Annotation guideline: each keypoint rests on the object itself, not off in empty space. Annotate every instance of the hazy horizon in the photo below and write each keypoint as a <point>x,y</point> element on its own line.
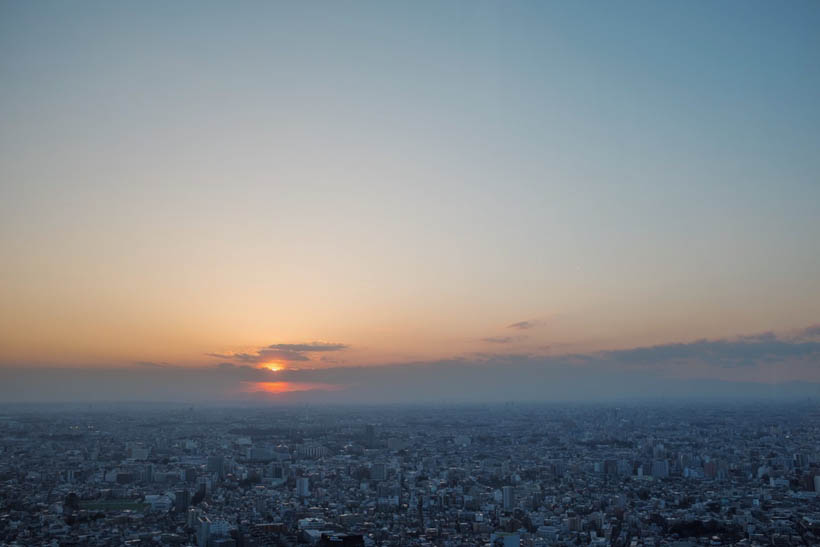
<point>756,367</point>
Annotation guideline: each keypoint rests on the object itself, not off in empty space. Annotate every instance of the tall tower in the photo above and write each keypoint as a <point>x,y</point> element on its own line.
<point>509,498</point>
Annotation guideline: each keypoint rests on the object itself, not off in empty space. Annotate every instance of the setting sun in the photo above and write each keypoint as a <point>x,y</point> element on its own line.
<point>273,367</point>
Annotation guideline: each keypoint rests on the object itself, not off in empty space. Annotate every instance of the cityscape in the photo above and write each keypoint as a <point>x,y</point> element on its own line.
<point>434,273</point>
<point>508,474</point>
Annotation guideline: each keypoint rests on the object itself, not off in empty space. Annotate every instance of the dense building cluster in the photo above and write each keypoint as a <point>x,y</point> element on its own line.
<point>515,474</point>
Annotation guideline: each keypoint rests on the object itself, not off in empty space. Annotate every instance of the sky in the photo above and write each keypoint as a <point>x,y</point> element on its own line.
<point>345,191</point>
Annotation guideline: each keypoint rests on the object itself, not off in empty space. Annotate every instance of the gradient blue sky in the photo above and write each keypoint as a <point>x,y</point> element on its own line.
<point>180,179</point>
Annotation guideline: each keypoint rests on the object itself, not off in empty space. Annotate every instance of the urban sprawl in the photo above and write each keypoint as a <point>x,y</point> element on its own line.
<point>486,475</point>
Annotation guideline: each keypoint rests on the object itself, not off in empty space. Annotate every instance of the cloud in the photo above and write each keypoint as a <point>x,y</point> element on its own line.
<point>524,325</point>
<point>744,351</point>
<point>757,366</point>
<point>503,339</point>
<point>698,369</point>
<point>811,332</point>
<point>281,352</point>
<point>499,339</point>
<point>761,337</point>
<point>311,347</point>
<point>520,378</point>
<point>262,356</point>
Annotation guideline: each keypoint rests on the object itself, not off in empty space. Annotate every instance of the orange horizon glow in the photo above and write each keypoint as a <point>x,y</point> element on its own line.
<point>273,367</point>
<point>278,388</point>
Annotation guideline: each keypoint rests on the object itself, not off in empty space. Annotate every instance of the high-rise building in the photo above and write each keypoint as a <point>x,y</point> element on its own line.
<point>182,500</point>
<point>203,531</point>
<point>378,472</point>
<point>660,469</point>
<point>710,469</point>
<point>508,493</point>
<point>278,471</point>
<point>216,464</point>
<point>370,436</point>
<point>302,487</point>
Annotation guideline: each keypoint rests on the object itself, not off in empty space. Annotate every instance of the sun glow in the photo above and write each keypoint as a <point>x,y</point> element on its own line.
<point>273,367</point>
<point>277,388</point>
